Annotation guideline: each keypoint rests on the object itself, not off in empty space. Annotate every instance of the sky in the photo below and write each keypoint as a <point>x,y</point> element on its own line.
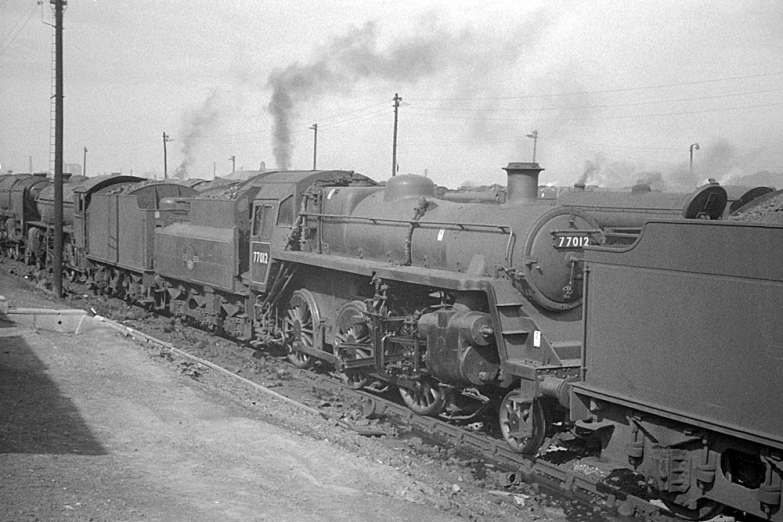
<point>617,91</point>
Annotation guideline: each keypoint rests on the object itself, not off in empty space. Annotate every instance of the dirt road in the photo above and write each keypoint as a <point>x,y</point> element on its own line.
<point>96,427</point>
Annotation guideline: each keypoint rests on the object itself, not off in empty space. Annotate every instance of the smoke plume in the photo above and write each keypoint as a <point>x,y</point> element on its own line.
<point>599,171</point>
<point>342,63</point>
<point>197,123</point>
<point>359,55</point>
<point>719,161</point>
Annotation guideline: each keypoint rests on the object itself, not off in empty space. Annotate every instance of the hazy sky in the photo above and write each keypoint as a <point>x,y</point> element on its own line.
<point>619,90</point>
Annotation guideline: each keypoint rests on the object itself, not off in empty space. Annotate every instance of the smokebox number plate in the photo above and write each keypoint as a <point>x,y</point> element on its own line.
<point>572,241</point>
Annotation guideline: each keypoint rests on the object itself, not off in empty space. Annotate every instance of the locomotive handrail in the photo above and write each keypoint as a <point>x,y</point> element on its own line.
<point>503,229</point>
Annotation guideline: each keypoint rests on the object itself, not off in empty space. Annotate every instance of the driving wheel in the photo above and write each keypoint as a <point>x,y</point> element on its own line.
<point>299,327</point>
<point>426,398</point>
<point>353,333</point>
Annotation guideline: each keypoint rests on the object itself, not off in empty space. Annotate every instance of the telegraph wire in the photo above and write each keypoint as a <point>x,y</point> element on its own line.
<point>216,138</point>
<point>376,108</point>
<point>596,118</point>
<point>515,139</point>
<point>363,117</point>
<point>16,29</point>
<point>611,145</point>
<point>598,106</point>
<point>606,91</point>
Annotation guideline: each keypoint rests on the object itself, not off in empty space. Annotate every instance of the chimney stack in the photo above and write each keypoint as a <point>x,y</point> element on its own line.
<point>522,181</point>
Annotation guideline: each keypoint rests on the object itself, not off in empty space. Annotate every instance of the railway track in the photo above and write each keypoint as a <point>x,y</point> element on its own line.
<point>599,498</point>
<point>602,499</point>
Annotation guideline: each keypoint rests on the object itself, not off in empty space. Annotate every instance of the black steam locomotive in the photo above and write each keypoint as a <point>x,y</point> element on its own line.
<point>466,306</point>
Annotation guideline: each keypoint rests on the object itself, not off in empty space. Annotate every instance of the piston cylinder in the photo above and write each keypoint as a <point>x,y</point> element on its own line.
<point>460,346</point>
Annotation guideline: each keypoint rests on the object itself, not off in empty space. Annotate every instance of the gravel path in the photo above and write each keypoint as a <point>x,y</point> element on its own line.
<point>96,427</point>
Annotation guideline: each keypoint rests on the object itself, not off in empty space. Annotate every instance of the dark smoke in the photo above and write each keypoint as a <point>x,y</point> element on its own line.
<point>612,174</point>
<point>653,179</point>
<point>358,55</point>
<point>720,161</point>
<point>196,124</point>
<point>589,174</point>
<point>341,64</point>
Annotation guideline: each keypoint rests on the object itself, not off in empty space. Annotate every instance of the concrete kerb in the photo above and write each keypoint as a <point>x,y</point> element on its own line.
<point>78,321</point>
<point>63,320</point>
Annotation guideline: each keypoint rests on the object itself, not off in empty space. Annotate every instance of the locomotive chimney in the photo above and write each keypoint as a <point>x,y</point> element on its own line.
<point>522,182</point>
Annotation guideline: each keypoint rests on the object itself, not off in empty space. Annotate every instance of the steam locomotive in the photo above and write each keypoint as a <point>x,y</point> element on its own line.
<point>468,306</point>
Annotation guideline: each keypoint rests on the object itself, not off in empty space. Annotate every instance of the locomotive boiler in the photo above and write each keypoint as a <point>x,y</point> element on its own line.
<point>454,302</point>
<point>18,208</point>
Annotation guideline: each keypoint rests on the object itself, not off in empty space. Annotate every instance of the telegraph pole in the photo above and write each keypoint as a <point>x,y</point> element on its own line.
<point>57,255</point>
<point>84,163</point>
<point>315,143</point>
<point>534,135</point>
<point>397,100</point>
<point>166,139</point>
<point>692,147</point>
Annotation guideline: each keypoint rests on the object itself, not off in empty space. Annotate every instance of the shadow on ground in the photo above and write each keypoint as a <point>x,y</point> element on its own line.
<point>35,418</point>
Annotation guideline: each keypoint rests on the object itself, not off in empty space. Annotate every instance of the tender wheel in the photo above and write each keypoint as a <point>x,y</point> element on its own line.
<point>33,246</point>
<point>300,328</point>
<point>522,423</point>
<point>116,284</point>
<point>705,510</point>
<point>353,329</point>
<point>426,399</point>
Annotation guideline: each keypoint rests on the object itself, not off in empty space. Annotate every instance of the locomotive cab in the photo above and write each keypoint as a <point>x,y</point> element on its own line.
<point>273,217</point>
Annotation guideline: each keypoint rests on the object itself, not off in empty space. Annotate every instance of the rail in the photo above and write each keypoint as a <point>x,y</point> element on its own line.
<point>571,484</point>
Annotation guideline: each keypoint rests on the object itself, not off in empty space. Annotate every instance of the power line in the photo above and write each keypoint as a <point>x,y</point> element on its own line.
<point>604,91</point>
<point>230,139</point>
<point>612,145</point>
<point>597,106</point>
<point>377,107</point>
<point>363,117</point>
<point>632,116</point>
<point>16,29</point>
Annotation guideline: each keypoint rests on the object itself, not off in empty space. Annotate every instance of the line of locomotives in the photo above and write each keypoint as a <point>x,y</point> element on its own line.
<point>640,319</point>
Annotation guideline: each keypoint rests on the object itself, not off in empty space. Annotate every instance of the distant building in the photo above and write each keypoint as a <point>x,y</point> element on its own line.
<point>74,169</point>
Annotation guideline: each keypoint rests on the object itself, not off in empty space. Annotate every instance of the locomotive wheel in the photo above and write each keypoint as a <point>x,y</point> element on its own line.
<point>428,398</point>
<point>358,333</point>
<point>522,423</point>
<point>705,510</point>
<point>352,328</point>
<point>300,328</point>
<point>115,284</point>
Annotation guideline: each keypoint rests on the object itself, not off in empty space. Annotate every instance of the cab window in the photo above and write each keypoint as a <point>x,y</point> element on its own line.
<point>286,214</point>
<point>263,221</point>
